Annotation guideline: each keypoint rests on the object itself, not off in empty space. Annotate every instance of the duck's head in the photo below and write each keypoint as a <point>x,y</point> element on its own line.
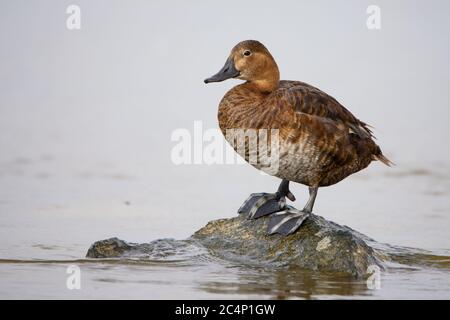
<point>250,60</point>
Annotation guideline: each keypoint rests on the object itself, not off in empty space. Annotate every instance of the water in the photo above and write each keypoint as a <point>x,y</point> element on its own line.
<point>86,119</point>
<point>41,238</point>
<point>198,275</point>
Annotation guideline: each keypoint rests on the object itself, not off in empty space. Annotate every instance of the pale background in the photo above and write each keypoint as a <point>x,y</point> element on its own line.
<point>86,116</point>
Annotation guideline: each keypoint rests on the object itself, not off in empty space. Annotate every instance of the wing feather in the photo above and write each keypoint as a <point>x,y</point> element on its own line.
<point>310,100</point>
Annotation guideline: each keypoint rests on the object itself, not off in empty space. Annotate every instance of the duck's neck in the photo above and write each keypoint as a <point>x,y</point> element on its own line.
<point>264,86</point>
<point>268,82</point>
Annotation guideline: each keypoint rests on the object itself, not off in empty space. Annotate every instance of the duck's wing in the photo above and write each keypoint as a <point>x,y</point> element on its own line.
<point>327,120</point>
<point>306,99</point>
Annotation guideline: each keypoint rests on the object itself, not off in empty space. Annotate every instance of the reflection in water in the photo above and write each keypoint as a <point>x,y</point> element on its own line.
<point>286,284</point>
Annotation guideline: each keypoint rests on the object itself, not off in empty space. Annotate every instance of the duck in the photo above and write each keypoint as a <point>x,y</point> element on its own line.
<point>318,142</point>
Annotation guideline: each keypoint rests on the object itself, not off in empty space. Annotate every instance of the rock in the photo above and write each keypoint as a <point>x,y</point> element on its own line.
<point>109,248</point>
<point>318,245</point>
<point>157,250</point>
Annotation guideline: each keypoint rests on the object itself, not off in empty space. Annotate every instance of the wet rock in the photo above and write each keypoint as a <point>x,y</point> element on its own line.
<point>109,248</point>
<point>318,245</point>
<point>158,250</point>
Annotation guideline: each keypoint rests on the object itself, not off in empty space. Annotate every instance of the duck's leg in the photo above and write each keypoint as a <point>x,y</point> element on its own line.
<point>261,204</point>
<point>288,221</point>
<point>312,198</point>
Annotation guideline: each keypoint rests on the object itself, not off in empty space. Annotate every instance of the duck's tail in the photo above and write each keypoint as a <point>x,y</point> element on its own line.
<point>380,157</point>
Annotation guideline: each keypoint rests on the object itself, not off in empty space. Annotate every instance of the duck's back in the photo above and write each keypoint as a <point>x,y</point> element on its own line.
<point>321,142</point>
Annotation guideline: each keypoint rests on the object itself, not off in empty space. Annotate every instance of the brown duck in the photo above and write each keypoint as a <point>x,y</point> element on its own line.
<point>319,142</point>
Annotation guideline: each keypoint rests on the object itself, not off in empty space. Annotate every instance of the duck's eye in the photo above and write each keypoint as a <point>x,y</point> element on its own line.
<point>247,53</point>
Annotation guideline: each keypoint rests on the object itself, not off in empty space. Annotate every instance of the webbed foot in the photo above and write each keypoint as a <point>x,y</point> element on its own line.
<point>262,204</point>
<point>287,221</point>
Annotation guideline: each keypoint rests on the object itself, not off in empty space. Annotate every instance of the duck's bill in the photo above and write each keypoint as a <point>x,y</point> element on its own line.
<point>228,71</point>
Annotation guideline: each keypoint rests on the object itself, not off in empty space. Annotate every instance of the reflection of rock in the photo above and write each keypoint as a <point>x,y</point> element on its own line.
<point>319,245</point>
<point>284,283</point>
